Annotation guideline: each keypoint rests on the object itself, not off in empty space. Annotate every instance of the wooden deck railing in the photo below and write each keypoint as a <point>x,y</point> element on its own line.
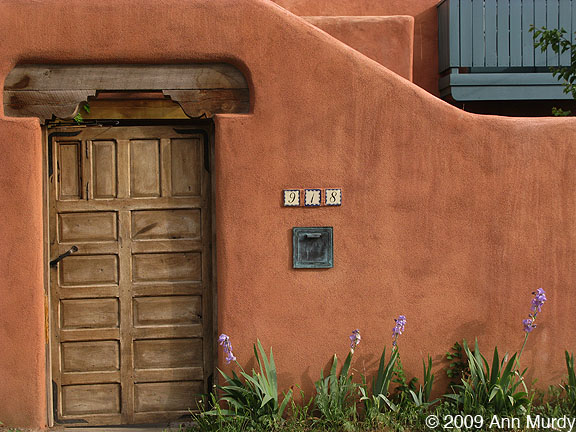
<point>496,33</point>
<point>483,37</point>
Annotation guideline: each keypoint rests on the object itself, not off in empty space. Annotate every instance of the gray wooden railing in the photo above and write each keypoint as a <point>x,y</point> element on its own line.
<point>496,33</point>
<point>487,34</point>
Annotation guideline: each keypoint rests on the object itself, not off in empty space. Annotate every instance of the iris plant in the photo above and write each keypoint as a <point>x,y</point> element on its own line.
<point>355,339</point>
<point>536,307</point>
<point>224,340</point>
<point>537,302</point>
<point>398,328</point>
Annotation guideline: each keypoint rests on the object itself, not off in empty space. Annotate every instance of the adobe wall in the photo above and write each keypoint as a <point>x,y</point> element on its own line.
<point>448,218</point>
<point>387,40</point>
<point>425,27</point>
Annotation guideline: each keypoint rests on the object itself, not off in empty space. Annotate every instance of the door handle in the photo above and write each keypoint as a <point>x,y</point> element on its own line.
<point>64,255</point>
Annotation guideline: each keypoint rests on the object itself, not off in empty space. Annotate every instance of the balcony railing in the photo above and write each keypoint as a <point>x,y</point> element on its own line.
<point>486,49</point>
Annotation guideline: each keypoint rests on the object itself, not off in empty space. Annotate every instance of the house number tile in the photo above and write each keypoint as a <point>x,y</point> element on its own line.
<point>312,197</point>
<point>291,197</point>
<point>333,197</point>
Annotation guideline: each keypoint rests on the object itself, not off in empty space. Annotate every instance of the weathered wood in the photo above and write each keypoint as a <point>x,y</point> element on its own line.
<point>128,204</point>
<point>129,337</point>
<point>44,104</point>
<point>197,103</point>
<point>125,77</point>
<point>45,91</point>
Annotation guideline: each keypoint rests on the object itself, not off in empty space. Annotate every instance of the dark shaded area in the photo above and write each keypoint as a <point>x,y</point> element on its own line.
<point>515,108</point>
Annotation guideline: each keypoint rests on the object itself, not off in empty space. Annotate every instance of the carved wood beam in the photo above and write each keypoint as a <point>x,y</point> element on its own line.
<point>58,90</point>
<point>45,104</point>
<point>207,102</point>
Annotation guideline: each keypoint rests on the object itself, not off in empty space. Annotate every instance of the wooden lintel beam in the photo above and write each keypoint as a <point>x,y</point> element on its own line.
<point>197,103</point>
<point>125,77</point>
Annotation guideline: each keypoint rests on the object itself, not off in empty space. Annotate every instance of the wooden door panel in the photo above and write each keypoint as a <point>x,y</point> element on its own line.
<point>104,174</point>
<point>88,227</point>
<point>69,174</point>
<point>89,313</point>
<point>167,353</point>
<point>82,270</point>
<point>129,341</point>
<point>90,399</point>
<point>94,356</point>
<point>166,224</point>
<point>186,153</point>
<point>166,396</point>
<point>144,168</point>
<point>167,311</point>
<point>167,267</point>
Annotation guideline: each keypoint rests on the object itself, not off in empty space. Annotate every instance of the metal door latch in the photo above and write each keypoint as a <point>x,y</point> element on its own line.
<point>64,255</point>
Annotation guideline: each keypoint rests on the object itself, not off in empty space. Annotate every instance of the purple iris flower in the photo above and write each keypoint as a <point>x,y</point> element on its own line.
<point>355,339</point>
<point>538,300</point>
<point>528,325</point>
<point>536,307</point>
<point>224,340</point>
<point>398,328</point>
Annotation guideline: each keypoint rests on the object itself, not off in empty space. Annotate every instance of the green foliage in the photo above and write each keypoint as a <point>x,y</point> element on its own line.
<point>458,367</point>
<point>401,395</point>
<point>556,40</point>
<point>335,393</point>
<point>559,112</point>
<point>78,117</point>
<point>376,401</point>
<point>422,397</point>
<point>299,415</point>
<point>251,399</point>
<point>570,386</point>
<point>496,389</point>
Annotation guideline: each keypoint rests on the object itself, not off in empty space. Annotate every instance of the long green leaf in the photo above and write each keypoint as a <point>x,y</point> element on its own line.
<point>346,366</point>
<point>377,382</point>
<point>495,367</point>
<point>284,403</point>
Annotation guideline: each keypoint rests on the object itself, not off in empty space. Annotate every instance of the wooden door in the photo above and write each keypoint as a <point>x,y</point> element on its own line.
<point>131,327</point>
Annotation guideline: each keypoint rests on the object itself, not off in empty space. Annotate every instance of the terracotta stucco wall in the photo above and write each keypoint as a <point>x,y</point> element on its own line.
<point>449,218</point>
<point>425,27</point>
<point>387,40</point>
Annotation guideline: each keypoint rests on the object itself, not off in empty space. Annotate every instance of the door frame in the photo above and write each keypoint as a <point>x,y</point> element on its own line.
<point>205,126</point>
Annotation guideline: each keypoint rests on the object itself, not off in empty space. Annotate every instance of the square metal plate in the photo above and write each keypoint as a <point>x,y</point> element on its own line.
<point>312,247</point>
